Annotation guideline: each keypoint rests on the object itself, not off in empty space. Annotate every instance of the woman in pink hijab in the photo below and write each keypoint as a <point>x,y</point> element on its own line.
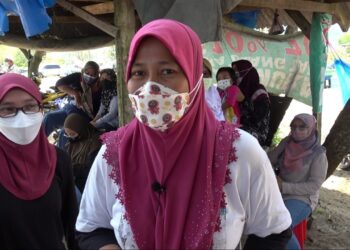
<point>175,177</point>
<point>38,204</point>
<point>302,167</point>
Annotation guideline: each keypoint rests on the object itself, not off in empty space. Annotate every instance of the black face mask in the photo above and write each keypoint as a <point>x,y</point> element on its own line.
<point>72,139</point>
<point>75,139</point>
<point>108,84</point>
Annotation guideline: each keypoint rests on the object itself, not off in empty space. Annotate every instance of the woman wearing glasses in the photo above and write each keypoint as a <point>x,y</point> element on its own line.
<point>302,165</point>
<point>38,204</point>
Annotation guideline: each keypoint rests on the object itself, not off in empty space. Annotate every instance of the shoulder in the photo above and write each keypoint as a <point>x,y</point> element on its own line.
<point>247,145</point>
<point>252,160</point>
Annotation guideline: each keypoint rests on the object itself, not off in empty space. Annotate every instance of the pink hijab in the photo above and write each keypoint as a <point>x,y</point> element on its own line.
<point>26,171</point>
<point>171,183</point>
<point>296,151</point>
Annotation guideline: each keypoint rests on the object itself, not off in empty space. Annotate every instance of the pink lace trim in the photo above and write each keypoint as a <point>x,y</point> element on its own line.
<point>221,158</point>
<point>112,141</point>
<point>226,135</point>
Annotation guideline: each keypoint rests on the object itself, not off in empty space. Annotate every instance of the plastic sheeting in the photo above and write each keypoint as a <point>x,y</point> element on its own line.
<point>246,18</point>
<point>343,72</point>
<point>32,13</point>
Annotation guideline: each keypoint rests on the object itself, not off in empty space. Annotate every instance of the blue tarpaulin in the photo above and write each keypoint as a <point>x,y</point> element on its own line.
<point>32,13</point>
<point>343,72</point>
<point>246,18</point>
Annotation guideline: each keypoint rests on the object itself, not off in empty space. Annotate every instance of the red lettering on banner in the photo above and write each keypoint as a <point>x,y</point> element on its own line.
<point>252,46</point>
<point>217,49</point>
<point>239,41</point>
<point>295,49</point>
<point>307,45</point>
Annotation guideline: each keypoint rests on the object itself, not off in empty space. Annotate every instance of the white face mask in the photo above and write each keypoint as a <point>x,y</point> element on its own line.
<point>21,129</point>
<point>159,107</point>
<point>224,84</point>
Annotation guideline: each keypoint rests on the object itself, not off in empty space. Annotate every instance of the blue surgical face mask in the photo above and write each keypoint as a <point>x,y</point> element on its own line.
<point>89,80</point>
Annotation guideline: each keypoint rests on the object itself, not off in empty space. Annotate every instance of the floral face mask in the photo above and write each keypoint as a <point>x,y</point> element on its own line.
<point>159,107</point>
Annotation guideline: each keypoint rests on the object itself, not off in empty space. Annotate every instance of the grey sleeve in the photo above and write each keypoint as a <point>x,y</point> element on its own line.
<point>318,171</point>
<point>112,112</point>
<point>275,153</point>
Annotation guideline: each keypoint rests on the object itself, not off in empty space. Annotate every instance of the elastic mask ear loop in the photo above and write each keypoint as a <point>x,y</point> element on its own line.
<point>195,90</point>
<point>247,71</point>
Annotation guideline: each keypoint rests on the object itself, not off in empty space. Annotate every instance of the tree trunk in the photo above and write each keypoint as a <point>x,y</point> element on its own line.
<point>125,22</point>
<point>33,61</point>
<point>337,142</point>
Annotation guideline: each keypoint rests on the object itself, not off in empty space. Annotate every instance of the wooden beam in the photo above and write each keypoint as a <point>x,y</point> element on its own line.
<point>343,16</point>
<point>96,1</point>
<point>228,6</point>
<point>301,21</point>
<point>100,8</point>
<point>106,27</point>
<point>48,44</point>
<point>298,5</point>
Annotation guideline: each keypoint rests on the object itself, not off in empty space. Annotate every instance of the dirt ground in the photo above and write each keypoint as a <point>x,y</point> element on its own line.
<point>330,228</point>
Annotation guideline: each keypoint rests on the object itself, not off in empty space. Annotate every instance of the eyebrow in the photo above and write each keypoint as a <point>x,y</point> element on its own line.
<point>25,102</point>
<point>139,64</point>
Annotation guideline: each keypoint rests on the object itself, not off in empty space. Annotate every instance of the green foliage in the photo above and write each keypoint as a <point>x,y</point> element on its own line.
<point>344,39</point>
<point>277,138</point>
<point>19,59</point>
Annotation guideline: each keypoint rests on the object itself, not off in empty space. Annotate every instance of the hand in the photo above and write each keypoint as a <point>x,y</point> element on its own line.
<point>279,182</point>
<point>110,247</point>
<point>93,123</point>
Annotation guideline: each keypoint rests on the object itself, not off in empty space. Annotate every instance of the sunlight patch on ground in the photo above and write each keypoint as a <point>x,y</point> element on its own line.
<point>337,183</point>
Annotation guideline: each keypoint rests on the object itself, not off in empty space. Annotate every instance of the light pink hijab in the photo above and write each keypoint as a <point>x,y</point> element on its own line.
<point>296,151</point>
<point>189,160</point>
<point>26,171</point>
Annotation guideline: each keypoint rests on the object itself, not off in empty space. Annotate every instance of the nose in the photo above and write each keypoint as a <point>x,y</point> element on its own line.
<point>153,76</point>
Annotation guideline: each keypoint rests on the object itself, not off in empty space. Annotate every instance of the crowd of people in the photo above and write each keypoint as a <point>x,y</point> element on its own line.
<point>188,172</point>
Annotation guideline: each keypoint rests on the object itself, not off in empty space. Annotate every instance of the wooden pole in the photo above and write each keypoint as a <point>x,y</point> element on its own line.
<point>124,19</point>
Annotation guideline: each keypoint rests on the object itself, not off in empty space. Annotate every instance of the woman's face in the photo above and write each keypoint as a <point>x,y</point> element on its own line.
<point>299,130</point>
<point>70,133</point>
<point>91,72</point>
<point>153,62</point>
<point>17,98</point>
<point>223,75</point>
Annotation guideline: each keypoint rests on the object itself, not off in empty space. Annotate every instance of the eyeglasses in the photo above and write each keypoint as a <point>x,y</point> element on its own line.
<point>6,112</point>
<point>299,127</point>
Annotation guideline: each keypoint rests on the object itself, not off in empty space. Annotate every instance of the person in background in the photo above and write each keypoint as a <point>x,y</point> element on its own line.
<point>302,166</point>
<point>84,88</point>
<point>255,109</point>
<point>230,94</point>
<point>212,96</point>
<point>38,204</point>
<point>175,177</point>
<point>207,69</point>
<point>107,116</point>
<point>83,146</point>
<point>10,65</point>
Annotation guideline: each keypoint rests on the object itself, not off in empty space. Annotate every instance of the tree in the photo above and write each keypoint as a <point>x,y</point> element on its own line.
<point>337,142</point>
<point>344,39</point>
<point>34,60</point>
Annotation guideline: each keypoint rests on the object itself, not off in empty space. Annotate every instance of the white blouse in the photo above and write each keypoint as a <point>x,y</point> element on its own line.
<point>254,202</point>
